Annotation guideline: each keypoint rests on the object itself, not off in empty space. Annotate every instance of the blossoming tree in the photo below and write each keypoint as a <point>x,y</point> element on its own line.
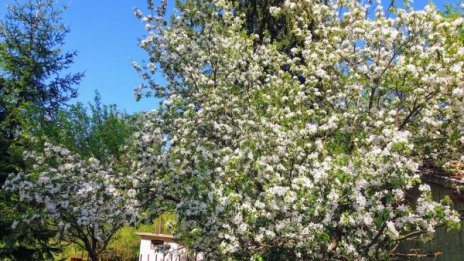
<point>80,196</point>
<point>77,187</point>
<point>308,153</point>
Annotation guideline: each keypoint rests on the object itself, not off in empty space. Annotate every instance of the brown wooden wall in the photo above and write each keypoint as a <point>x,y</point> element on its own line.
<point>451,245</point>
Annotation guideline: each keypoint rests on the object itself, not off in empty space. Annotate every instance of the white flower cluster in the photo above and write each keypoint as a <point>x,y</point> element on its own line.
<point>83,198</point>
<point>309,151</point>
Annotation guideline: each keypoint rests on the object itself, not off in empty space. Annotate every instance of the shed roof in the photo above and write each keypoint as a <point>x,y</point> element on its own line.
<point>153,236</point>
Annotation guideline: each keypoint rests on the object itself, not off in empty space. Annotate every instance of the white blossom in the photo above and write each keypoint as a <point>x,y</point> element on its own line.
<point>266,140</point>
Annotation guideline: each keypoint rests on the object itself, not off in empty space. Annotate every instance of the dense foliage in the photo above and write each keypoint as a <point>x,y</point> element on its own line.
<point>300,150</point>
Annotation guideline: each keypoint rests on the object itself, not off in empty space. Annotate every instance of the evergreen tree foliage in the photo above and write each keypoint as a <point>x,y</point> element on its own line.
<point>33,68</point>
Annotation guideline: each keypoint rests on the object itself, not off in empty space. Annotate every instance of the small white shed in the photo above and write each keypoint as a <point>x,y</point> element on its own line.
<point>150,243</point>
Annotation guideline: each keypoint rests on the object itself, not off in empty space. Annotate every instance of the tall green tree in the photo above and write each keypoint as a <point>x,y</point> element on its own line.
<point>95,130</point>
<point>33,65</point>
<point>33,77</point>
<point>260,21</point>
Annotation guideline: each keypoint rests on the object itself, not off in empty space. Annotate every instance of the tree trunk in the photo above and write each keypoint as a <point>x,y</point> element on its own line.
<point>93,256</point>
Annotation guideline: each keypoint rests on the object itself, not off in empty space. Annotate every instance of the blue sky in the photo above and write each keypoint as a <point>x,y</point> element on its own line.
<point>105,33</point>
